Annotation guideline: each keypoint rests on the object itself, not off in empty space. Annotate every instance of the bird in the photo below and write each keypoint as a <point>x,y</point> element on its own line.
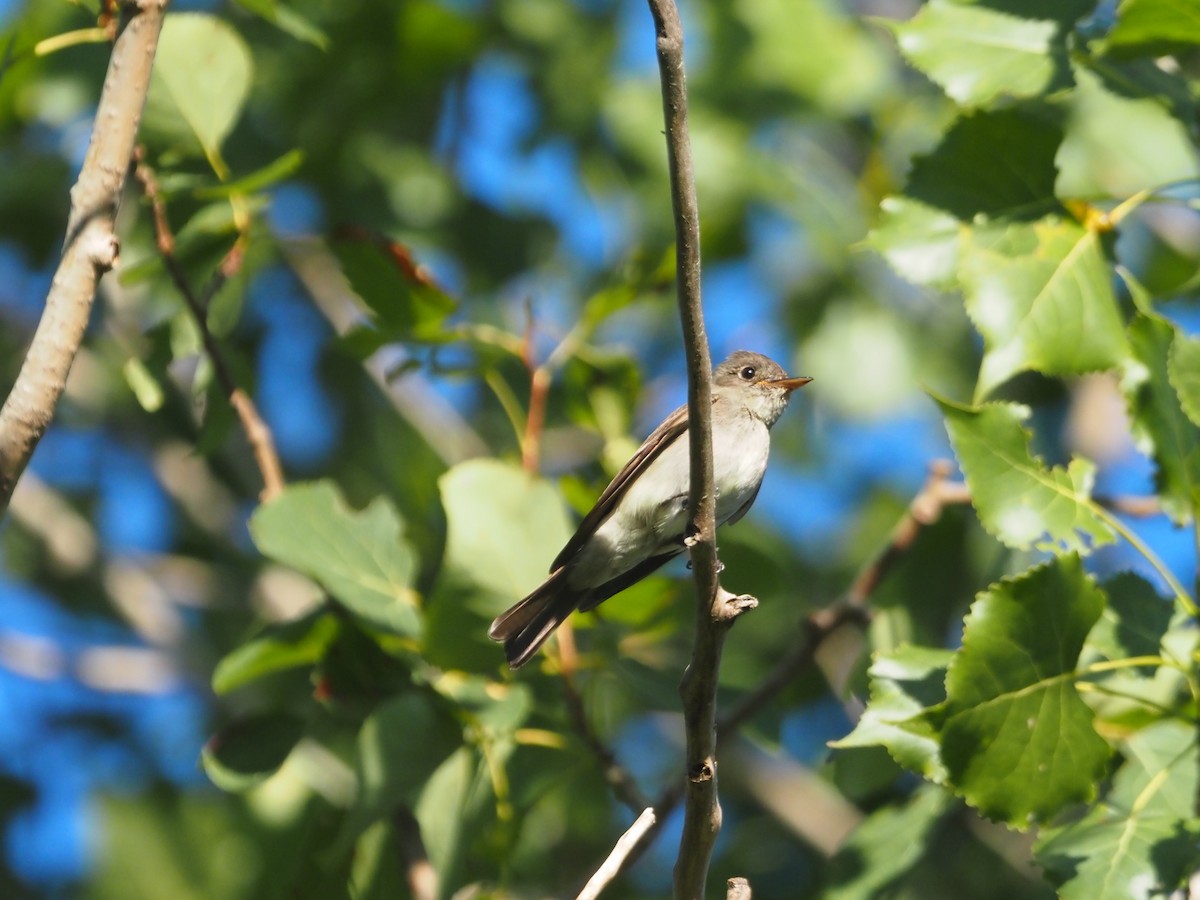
<point>640,520</point>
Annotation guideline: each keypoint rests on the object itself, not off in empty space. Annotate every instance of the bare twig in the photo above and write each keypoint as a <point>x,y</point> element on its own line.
<point>258,434</point>
<point>716,608</point>
<point>91,245</point>
<point>612,866</point>
<point>419,872</point>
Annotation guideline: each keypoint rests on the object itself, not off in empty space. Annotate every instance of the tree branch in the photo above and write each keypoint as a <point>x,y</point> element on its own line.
<point>91,244</point>
<point>716,608</point>
<point>258,433</point>
<point>612,866</point>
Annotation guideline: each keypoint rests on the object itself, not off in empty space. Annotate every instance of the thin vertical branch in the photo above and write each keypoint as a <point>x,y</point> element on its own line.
<point>91,245</point>
<point>716,608</point>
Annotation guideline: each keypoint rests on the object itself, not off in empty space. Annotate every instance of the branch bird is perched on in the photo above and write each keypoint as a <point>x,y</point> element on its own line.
<point>640,520</point>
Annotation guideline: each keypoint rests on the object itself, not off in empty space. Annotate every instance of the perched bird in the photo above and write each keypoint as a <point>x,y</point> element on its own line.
<point>639,521</point>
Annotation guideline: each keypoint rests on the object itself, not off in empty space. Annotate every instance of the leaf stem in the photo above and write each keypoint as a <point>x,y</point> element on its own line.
<point>1181,594</point>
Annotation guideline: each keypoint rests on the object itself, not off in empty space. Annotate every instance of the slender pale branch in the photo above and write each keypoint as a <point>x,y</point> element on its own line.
<point>91,245</point>
<point>612,866</point>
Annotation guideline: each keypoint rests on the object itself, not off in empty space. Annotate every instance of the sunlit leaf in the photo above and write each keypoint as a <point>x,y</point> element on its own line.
<point>270,174</point>
<point>977,54</point>
<point>1160,427</point>
<point>1120,140</point>
<point>1183,369</point>
<point>202,75</point>
<point>904,685</point>
<point>504,527</point>
<point>1142,840</point>
<point>361,558</point>
<point>246,751</point>
<point>1042,297</point>
<point>1147,24</point>
<point>920,241</point>
<point>1017,739</point>
<point>1019,499</point>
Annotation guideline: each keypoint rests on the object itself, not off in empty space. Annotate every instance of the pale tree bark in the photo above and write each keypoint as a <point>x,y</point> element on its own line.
<point>90,248</point>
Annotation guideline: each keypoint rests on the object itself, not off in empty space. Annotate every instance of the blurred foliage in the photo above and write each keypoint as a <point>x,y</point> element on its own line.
<point>463,195</point>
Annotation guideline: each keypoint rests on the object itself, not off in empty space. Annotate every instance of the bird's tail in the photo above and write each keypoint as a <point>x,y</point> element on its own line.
<point>525,627</point>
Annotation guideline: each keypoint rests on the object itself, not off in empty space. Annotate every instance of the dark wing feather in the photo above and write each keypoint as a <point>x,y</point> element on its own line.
<point>744,508</point>
<point>673,426</point>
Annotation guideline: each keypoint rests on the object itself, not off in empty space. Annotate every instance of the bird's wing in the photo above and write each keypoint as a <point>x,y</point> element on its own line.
<point>743,509</point>
<point>672,427</point>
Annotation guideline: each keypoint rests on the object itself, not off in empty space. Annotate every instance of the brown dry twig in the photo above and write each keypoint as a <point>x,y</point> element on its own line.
<point>258,433</point>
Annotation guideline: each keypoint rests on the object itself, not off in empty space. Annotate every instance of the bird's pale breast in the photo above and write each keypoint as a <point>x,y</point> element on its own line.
<point>650,519</point>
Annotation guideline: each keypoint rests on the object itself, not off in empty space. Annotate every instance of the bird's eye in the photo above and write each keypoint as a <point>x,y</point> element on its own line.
<point>747,372</point>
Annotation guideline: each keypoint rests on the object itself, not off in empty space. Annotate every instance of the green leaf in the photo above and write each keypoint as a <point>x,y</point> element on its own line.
<point>452,811</point>
<point>277,648</point>
<point>1020,500</point>
<point>202,75</point>
<point>1017,739</point>
<point>288,21</point>
<point>920,242</point>
<point>145,386</point>
<point>247,751</point>
<point>399,747</point>
<point>1015,147</point>
<point>1145,24</point>
<point>885,846</point>
<point>1042,297</point>
<point>905,684</point>
<point>978,55</point>
<point>1183,369</point>
<point>503,528</point>
<point>404,307</point>
<point>1160,427</point>
<point>1142,840</point>
<point>359,557</point>
<point>1115,145</point>
<point>259,180</point>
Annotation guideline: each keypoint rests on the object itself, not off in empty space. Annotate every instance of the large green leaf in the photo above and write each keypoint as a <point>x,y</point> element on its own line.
<point>361,558</point>
<point>277,648</point>
<point>1015,147</point>
<point>885,846</point>
<point>1183,369</point>
<point>399,747</point>
<point>1160,426</point>
<point>1146,24</point>
<point>504,527</point>
<point>1115,145</point>
<point>904,685</point>
<point>1142,841</point>
<point>1017,739</point>
<point>1018,498</point>
<point>920,242</point>
<point>246,751</point>
<point>1041,295</point>
<point>978,55</point>
<point>202,75</point>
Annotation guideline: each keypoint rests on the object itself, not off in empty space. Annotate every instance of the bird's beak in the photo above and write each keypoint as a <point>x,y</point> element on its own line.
<point>789,384</point>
